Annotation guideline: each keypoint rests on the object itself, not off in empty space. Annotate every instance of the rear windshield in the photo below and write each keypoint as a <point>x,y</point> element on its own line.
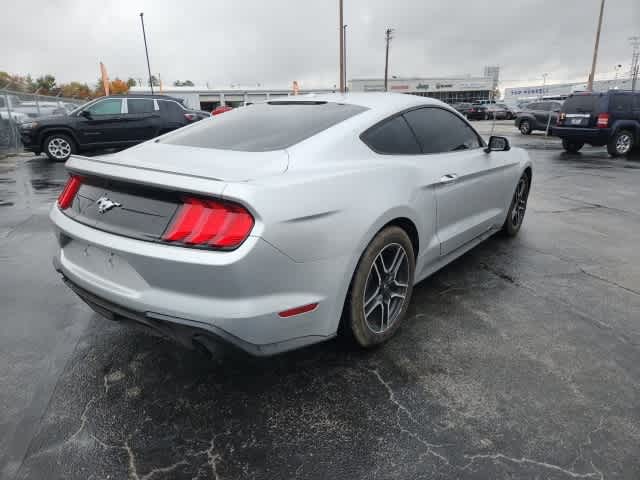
<point>581,104</point>
<point>264,127</point>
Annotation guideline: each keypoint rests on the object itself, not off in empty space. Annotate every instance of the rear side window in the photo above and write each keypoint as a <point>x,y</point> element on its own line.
<point>440,131</point>
<point>171,109</point>
<point>392,137</point>
<point>581,104</point>
<point>265,127</point>
<point>620,103</point>
<point>140,105</point>
<point>534,106</point>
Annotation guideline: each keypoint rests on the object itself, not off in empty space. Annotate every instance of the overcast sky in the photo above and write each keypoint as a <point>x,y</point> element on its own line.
<point>273,42</point>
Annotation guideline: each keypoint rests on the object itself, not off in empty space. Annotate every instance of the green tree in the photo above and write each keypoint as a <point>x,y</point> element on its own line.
<point>154,81</point>
<point>131,82</point>
<point>45,84</point>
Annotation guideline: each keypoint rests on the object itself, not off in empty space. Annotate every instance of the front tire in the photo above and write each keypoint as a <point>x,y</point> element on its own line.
<point>571,146</point>
<point>518,207</point>
<point>620,143</point>
<point>525,127</point>
<point>381,288</point>
<point>59,147</point>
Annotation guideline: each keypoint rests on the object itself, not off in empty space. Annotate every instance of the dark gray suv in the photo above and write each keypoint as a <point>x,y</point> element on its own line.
<point>536,116</point>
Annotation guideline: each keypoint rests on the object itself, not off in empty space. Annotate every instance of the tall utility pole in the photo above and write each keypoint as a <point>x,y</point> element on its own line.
<point>344,54</point>
<point>388,36</point>
<point>341,33</point>
<point>146,50</point>
<point>595,49</point>
<point>635,61</point>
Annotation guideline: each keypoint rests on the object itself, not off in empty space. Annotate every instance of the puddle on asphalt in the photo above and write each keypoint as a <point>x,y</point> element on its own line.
<point>42,184</point>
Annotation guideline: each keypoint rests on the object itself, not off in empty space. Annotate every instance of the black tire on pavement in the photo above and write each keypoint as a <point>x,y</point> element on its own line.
<point>525,127</point>
<point>571,146</point>
<point>620,143</point>
<point>59,147</point>
<point>518,206</point>
<point>390,249</point>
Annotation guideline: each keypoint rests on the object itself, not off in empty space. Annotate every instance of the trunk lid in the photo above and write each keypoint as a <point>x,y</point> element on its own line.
<point>221,165</point>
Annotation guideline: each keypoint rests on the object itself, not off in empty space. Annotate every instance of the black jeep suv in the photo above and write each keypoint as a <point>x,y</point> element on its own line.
<point>108,122</point>
<point>610,118</point>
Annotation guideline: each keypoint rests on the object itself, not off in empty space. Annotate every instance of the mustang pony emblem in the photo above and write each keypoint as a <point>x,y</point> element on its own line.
<point>104,204</point>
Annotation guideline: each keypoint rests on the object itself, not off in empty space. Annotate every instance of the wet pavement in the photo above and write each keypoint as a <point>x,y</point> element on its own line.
<point>520,360</point>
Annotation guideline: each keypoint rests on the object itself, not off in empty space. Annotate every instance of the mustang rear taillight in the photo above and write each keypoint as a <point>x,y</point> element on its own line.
<point>209,223</point>
<point>561,118</point>
<point>69,192</point>
<point>603,120</point>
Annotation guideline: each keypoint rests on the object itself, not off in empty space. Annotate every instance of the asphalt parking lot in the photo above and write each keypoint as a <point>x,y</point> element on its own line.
<point>520,360</point>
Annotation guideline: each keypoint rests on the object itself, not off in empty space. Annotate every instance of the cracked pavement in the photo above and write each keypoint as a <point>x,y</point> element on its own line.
<point>521,360</point>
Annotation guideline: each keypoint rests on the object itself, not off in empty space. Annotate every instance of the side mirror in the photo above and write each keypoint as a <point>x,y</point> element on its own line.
<point>85,114</point>
<point>498,144</point>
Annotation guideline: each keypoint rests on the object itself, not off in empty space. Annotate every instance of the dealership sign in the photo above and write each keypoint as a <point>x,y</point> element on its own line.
<point>420,85</point>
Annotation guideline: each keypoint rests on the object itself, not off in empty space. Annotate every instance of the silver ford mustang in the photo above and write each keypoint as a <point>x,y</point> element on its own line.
<point>275,224</point>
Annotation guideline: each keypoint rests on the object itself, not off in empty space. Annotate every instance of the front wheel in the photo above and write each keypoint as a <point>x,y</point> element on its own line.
<point>381,287</point>
<point>59,147</point>
<point>525,127</point>
<point>620,143</point>
<point>518,207</point>
<point>571,146</point>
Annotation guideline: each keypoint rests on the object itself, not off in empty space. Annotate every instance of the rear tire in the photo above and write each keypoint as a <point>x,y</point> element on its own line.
<point>59,147</point>
<point>518,207</point>
<point>525,127</point>
<point>621,143</point>
<point>381,288</point>
<point>571,146</point>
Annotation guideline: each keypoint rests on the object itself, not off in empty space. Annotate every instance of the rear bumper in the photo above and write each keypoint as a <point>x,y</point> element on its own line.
<point>592,136</point>
<point>187,294</point>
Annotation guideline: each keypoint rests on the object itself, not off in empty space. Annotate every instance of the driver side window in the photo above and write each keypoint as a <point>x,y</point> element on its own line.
<point>109,106</point>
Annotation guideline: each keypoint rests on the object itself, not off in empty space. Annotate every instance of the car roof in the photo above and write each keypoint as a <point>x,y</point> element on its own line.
<point>383,101</point>
<point>145,95</point>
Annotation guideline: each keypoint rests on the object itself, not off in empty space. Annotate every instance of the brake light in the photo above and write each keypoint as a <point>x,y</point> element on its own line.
<point>190,116</point>
<point>603,120</point>
<point>561,118</point>
<point>209,222</point>
<point>69,192</point>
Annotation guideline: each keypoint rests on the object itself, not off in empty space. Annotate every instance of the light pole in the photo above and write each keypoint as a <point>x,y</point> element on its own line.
<point>146,50</point>
<point>595,49</point>
<point>388,37</point>
<point>544,82</point>
<point>344,54</point>
<point>341,33</point>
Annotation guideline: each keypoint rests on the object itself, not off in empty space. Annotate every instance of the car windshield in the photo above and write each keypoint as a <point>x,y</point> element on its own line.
<point>264,127</point>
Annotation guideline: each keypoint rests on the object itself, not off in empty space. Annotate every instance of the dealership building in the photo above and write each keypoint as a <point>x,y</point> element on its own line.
<point>205,98</point>
<point>450,90</point>
<point>515,95</point>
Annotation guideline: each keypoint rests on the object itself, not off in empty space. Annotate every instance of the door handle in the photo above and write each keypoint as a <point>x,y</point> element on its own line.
<point>449,178</point>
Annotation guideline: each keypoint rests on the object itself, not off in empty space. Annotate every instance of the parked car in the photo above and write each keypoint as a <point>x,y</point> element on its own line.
<point>266,226</point>
<point>478,112</point>
<point>7,112</point>
<point>221,109</point>
<point>108,122</point>
<point>611,119</point>
<point>536,116</point>
<point>509,113</point>
<point>463,107</point>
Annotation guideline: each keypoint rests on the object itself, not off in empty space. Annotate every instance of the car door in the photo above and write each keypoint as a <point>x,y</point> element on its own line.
<point>469,184</point>
<point>101,123</point>
<point>142,119</point>
<point>542,114</point>
<point>173,115</point>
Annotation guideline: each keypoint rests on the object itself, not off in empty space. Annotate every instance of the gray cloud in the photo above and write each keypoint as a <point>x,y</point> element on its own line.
<point>274,42</point>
